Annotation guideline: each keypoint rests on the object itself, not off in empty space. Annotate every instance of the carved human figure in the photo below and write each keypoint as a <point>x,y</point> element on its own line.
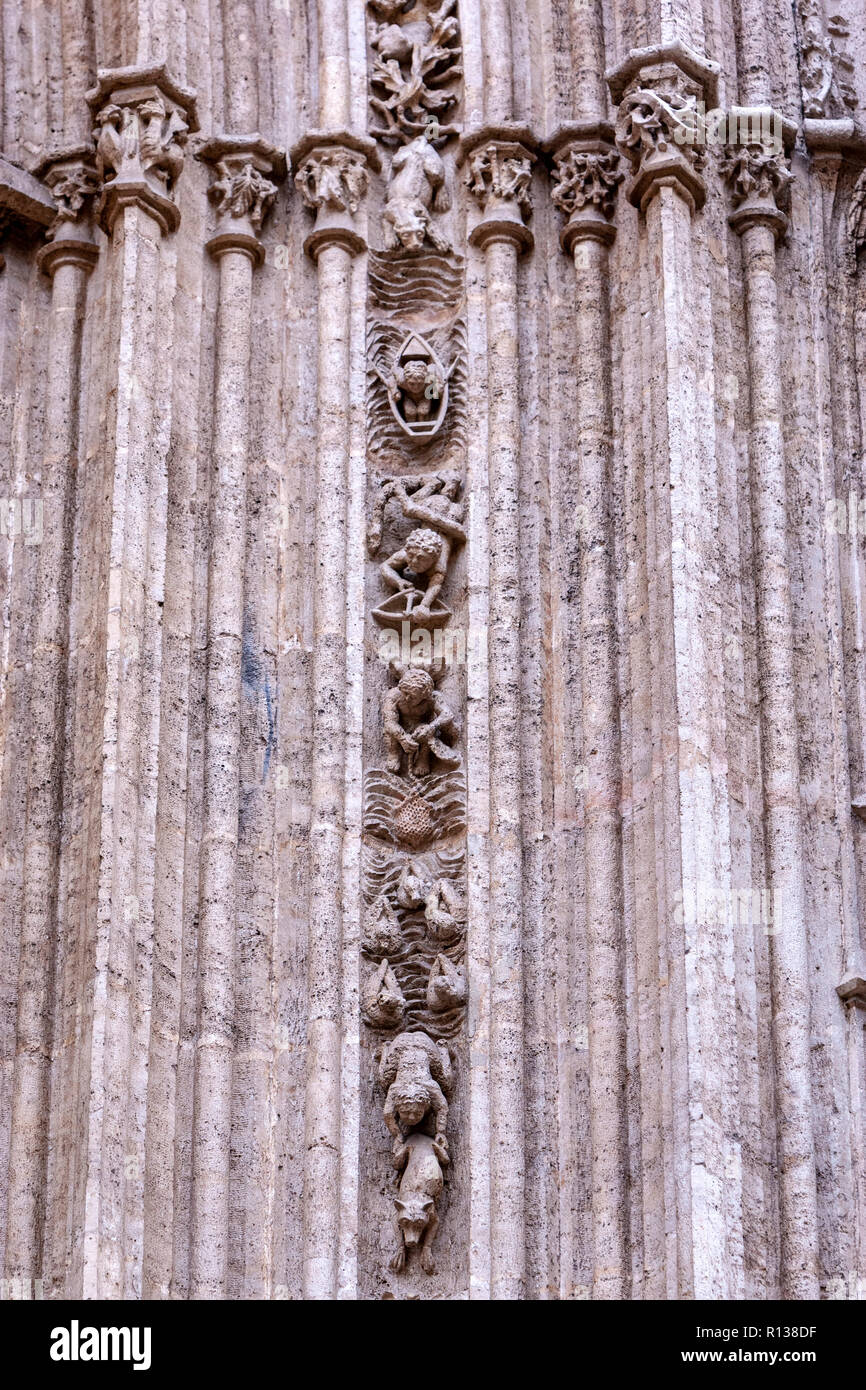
<point>434,501</point>
<point>415,720</point>
<point>417,1074</point>
<point>421,1159</point>
<point>416,190</point>
<point>426,551</point>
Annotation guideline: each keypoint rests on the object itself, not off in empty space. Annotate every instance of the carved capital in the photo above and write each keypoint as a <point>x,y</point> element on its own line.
<point>499,176</point>
<point>658,128</point>
<point>243,191</point>
<point>71,177</point>
<point>331,175</point>
<point>586,175</point>
<point>142,121</point>
<point>758,179</point>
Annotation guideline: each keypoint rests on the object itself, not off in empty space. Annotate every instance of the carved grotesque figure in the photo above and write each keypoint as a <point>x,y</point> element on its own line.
<point>415,719</point>
<point>417,189</point>
<point>421,1159</point>
<point>417,1073</point>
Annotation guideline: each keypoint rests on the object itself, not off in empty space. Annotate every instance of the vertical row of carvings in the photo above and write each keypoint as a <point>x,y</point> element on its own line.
<point>413,977</point>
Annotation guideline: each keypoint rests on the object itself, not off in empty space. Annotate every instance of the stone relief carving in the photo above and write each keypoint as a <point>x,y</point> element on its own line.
<point>334,177</point>
<point>416,1071</point>
<point>826,70</point>
<point>585,179</point>
<point>416,391</point>
<point>501,171</point>
<point>417,569</point>
<point>417,61</point>
<point>421,1159</point>
<point>856,221</point>
<point>382,1001</point>
<point>242,192</point>
<point>417,721</point>
<point>417,189</point>
<point>417,387</point>
<point>756,174</point>
<point>73,187</point>
<point>414,823</point>
<point>142,121</point>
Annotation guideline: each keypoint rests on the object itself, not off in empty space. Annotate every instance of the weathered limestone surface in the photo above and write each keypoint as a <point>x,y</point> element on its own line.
<point>432,684</point>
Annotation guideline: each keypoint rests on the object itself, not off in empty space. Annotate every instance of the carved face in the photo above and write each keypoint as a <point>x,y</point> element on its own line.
<point>423,547</point>
<point>410,224</point>
<point>416,690</point>
<point>415,379</point>
<point>411,1109</point>
<point>413,1216</point>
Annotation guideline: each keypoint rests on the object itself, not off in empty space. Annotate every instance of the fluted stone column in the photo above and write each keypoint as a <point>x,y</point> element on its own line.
<point>586,175</point>
<point>692,1201</point>
<point>242,193</point>
<point>499,173</point>
<point>331,174</point>
<point>758,177</point>
<point>67,259</point>
<point>142,119</point>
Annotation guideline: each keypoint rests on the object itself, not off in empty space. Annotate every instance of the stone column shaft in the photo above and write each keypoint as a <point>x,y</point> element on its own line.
<point>243,195</point>
<point>781,776</point>
<point>602,771</point>
<point>507,1101</point>
<point>69,262</point>
<point>499,178</point>
<point>324,958</point>
<point>218,920</point>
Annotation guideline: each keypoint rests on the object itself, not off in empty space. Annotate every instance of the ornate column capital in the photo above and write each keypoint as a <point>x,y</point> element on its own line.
<point>143,119</point>
<point>71,177</point>
<point>241,191</point>
<point>331,175</point>
<point>758,177</point>
<point>584,182</point>
<point>499,174</point>
<point>658,126</point>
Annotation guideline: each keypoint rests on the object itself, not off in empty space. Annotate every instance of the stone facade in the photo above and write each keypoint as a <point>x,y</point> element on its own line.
<point>433,705</point>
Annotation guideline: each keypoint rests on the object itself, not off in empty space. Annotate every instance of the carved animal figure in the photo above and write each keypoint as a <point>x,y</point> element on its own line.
<point>446,987</point>
<point>417,190</point>
<point>382,935</point>
<point>417,1073</point>
<point>417,1221</point>
<point>382,1001</point>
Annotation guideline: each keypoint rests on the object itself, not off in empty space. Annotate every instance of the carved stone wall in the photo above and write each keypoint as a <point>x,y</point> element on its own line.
<point>432,772</point>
